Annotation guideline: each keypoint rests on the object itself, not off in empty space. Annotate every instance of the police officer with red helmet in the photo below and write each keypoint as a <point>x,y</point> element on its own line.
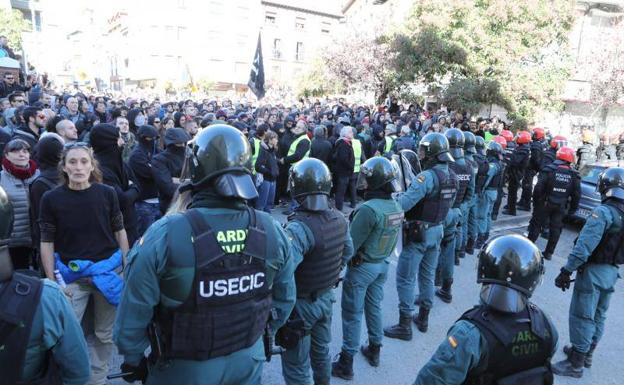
<point>516,167</point>
<point>537,146</point>
<point>550,154</point>
<point>558,186</point>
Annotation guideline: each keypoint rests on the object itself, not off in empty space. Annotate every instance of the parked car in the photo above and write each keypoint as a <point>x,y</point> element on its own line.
<point>590,197</point>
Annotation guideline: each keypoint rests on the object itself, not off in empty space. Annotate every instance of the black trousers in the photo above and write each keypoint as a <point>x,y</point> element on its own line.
<point>555,214</point>
<point>342,184</point>
<point>527,188</point>
<point>512,194</point>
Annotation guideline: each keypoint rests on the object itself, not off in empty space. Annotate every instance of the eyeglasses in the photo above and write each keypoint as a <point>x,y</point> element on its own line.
<point>72,145</point>
<point>11,78</point>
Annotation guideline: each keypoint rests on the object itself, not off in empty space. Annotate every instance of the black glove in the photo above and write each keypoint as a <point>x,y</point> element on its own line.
<point>563,279</point>
<point>139,372</point>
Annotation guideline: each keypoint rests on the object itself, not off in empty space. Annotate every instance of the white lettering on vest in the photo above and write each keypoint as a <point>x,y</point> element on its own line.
<point>231,286</point>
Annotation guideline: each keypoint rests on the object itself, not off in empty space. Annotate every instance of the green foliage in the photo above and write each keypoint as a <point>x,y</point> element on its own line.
<point>11,25</point>
<point>469,94</point>
<point>519,124</point>
<point>520,44</point>
<point>315,82</point>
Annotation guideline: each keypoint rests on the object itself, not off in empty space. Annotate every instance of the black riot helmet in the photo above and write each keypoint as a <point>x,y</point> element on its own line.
<point>510,268</point>
<point>221,159</point>
<point>456,142</point>
<point>378,173</point>
<point>310,183</point>
<point>470,142</point>
<point>611,184</point>
<point>480,144</point>
<point>6,227</point>
<point>433,148</point>
<point>495,150</point>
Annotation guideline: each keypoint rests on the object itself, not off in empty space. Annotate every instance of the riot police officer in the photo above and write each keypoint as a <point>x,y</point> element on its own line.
<point>41,339</point>
<point>605,151</point>
<point>375,228</point>
<point>551,153</point>
<point>426,203</point>
<point>535,165</point>
<point>586,154</point>
<point>508,149</point>
<point>202,284</point>
<point>321,245</point>
<point>505,339</point>
<point>452,228</point>
<point>489,191</point>
<point>469,212</point>
<point>515,169</point>
<point>558,185</point>
<point>595,257</point>
<point>480,158</point>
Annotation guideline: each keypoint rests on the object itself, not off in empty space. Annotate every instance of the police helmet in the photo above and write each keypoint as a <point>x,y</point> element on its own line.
<point>510,267</point>
<point>434,148</point>
<point>221,159</point>
<point>480,144</point>
<point>378,173</point>
<point>470,142</point>
<point>495,150</point>
<point>6,227</point>
<point>456,142</point>
<point>611,184</point>
<point>310,182</point>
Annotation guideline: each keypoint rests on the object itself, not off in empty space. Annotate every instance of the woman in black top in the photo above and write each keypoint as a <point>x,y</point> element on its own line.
<point>81,220</point>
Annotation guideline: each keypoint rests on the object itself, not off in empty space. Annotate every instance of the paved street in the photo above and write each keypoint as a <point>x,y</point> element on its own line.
<point>400,361</point>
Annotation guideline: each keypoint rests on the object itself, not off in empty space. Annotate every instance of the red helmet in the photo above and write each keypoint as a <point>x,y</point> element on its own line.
<point>558,141</point>
<point>538,133</point>
<point>523,137</point>
<point>507,135</point>
<point>500,140</point>
<point>566,154</point>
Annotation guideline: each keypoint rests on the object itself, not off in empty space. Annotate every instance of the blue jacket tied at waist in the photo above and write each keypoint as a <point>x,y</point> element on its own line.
<point>102,273</point>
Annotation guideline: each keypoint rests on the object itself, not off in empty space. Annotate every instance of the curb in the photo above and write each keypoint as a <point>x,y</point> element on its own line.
<point>507,221</point>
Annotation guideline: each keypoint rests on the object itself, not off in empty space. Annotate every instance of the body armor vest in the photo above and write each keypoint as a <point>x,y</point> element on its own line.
<point>463,173</point>
<point>497,180</point>
<point>519,346</point>
<point>433,208</point>
<point>537,147</point>
<point>230,299</point>
<point>385,233</point>
<point>509,150</point>
<point>560,183</point>
<point>19,299</point>
<point>320,268</point>
<point>610,250</point>
<point>482,170</point>
<point>549,156</point>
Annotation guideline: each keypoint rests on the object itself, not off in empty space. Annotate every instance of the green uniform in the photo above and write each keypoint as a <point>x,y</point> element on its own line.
<point>375,229</point>
<point>151,284</point>
<point>55,329</point>
<point>313,349</point>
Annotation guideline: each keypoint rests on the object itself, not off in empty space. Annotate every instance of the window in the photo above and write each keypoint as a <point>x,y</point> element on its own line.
<point>277,48</point>
<point>269,18</point>
<point>299,54</point>
<point>325,27</point>
<point>299,23</point>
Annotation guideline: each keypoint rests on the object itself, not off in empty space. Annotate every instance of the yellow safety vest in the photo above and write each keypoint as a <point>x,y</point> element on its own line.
<point>293,147</point>
<point>357,153</point>
<point>388,146</point>
<point>254,157</point>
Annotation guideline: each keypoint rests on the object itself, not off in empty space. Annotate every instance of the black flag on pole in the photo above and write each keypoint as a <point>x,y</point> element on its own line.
<point>256,77</point>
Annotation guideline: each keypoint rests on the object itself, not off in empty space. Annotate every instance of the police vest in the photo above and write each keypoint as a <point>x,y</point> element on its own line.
<point>560,184</point>
<point>357,153</point>
<point>256,152</point>
<point>463,173</point>
<point>230,299</point>
<point>433,208</point>
<point>497,180</point>
<point>549,156</point>
<point>610,250</point>
<point>517,343</point>
<point>482,170</point>
<point>293,147</point>
<point>384,234</point>
<point>537,147</point>
<point>19,299</point>
<point>320,268</point>
<point>509,150</point>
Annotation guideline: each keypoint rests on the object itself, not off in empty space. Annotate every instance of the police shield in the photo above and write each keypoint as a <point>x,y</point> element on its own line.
<point>408,166</point>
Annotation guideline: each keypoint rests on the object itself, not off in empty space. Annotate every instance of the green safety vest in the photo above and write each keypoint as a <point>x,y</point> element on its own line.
<point>488,137</point>
<point>254,157</point>
<point>357,153</point>
<point>388,146</point>
<point>293,147</point>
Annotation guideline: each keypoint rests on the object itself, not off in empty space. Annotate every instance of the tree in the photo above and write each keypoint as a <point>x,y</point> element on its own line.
<point>11,25</point>
<point>469,94</point>
<point>520,44</point>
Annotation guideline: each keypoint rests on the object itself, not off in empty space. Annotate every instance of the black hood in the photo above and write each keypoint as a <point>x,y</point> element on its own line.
<point>104,142</point>
<point>132,114</point>
<point>49,151</point>
<point>147,132</point>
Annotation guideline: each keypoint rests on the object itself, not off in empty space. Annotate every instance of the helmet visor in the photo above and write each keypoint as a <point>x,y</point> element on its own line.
<point>503,298</point>
<point>236,185</point>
